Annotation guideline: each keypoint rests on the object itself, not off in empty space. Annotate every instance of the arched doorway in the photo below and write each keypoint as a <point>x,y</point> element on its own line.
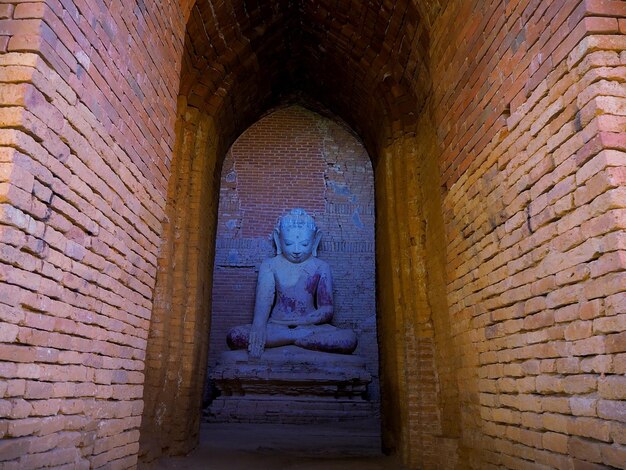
<point>295,157</point>
<point>239,62</point>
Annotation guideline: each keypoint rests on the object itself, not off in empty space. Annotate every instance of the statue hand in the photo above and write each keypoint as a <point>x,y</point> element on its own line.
<point>256,343</point>
<point>319,316</point>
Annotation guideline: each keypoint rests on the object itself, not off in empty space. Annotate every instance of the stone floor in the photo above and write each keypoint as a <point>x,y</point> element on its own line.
<point>339,446</point>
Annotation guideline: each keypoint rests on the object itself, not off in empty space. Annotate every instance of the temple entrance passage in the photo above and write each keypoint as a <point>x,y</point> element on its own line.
<point>359,118</point>
<point>484,294</point>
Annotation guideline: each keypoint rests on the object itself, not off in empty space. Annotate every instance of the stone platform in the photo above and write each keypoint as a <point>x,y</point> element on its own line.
<point>290,385</point>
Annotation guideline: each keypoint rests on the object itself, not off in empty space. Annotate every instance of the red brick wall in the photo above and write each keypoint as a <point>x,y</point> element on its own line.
<point>530,120</point>
<point>277,164</point>
<point>85,142</point>
<point>526,114</point>
<point>291,158</point>
<point>182,295</point>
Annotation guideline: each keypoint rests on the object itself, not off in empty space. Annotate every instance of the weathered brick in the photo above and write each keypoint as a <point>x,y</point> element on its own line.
<point>584,449</point>
<point>612,410</point>
<point>579,384</point>
<point>616,342</point>
<point>29,10</point>
<point>590,427</point>
<point>612,387</point>
<point>592,345</point>
<point>555,442</point>
<point>13,448</point>
<point>578,330</point>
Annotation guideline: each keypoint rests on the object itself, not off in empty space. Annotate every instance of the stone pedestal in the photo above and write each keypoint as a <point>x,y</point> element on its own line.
<point>290,385</point>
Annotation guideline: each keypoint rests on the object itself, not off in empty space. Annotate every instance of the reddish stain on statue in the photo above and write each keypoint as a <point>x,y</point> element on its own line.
<point>289,304</point>
<point>237,338</point>
<point>324,297</point>
<point>311,284</point>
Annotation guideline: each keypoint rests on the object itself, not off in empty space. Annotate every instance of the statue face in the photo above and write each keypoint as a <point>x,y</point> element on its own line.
<point>297,243</point>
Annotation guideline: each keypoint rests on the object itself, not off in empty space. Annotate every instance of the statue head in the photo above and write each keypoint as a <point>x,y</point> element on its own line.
<point>296,236</point>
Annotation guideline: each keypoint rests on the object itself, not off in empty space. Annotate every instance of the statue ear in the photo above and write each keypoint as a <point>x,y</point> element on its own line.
<point>316,242</point>
<point>276,236</point>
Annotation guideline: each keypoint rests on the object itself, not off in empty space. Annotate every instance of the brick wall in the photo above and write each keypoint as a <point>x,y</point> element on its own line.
<point>526,120</point>
<point>294,157</point>
<point>85,142</point>
<point>182,294</point>
<point>420,407</point>
<point>531,125</point>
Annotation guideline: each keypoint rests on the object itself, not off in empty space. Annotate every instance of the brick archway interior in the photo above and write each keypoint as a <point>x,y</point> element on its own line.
<point>496,133</point>
<point>232,72</point>
<point>295,157</point>
<point>493,138</point>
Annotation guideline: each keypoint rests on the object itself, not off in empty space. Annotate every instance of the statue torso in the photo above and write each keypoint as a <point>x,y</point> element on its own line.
<point>296,287</point>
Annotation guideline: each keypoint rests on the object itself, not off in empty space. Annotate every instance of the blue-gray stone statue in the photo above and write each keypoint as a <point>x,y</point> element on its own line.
<point>294,296</point>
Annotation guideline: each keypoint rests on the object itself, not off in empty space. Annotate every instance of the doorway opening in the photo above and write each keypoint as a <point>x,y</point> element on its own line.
<point>295,158</point>
<point>238,63</point>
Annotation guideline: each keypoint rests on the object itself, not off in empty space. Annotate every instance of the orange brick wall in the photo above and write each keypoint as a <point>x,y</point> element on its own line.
<point>182,295</point>
<point>418,400</point>
<point>85,142</point>
<point>526,115</point>
<point>531,130</point>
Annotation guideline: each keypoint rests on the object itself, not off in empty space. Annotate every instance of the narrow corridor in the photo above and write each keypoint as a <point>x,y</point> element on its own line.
<point>337,446</point>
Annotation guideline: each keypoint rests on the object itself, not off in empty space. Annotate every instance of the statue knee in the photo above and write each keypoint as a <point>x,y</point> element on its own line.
<point>237,337</point>
<point>349,342</point>
<point>337,341</point>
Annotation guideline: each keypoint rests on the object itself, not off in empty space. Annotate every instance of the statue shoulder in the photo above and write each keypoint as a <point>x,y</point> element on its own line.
<point>269,264</point>
<point>321,265</point>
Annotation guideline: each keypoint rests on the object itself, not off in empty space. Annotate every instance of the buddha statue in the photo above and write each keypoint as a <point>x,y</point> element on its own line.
<point>294,296</point>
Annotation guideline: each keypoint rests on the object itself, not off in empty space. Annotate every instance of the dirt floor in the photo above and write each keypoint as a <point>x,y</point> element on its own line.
<point>337,446</point>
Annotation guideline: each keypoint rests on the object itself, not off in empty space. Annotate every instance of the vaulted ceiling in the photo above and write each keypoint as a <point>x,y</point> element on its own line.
<point>365,60</point>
